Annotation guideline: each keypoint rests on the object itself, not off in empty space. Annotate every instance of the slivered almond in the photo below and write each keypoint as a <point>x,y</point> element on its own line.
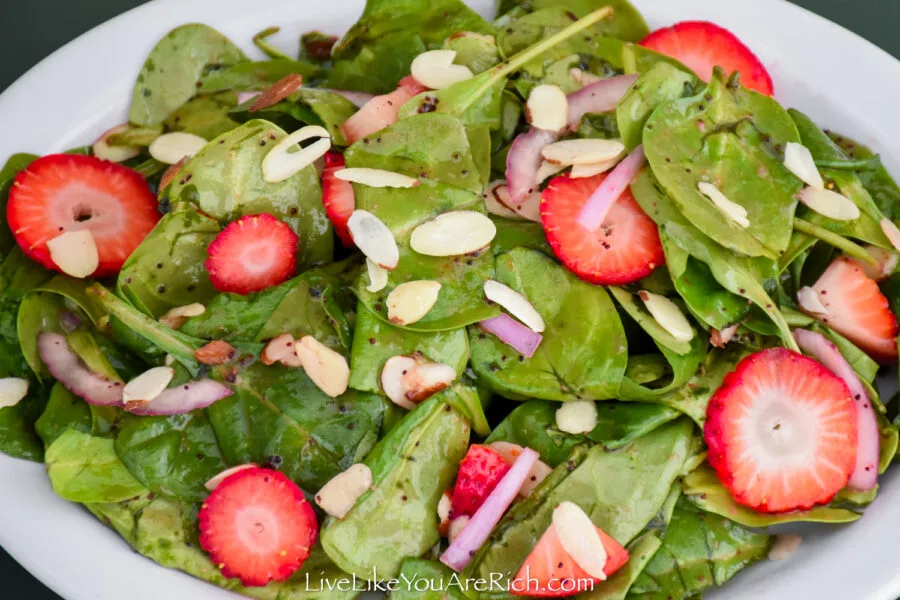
<point>284,160</point>
<point>325,367</point>
<point>374,239</point>
<point>170,148</point>
<point>886,263</point>
<point>582,171</point>
<point>277,92</point>
<point>547,108</point>
<point>720,337</point>
<point>75,253</point>
<point>435,69</point>
<point>456,527</point>
<point>12,391</point>
<point>280,349</point>
<point>215,481</point>
<point>453,234</point>
<point>735,213</point>
<point>510,452</point>
<point>175,317</point>
<point>378,276</point>
<point>668,315</point>
<point>785,545</point>
<point>427,379</point>
<point>583,78</point>
<point>579,538</point>
<point>547,169</point>
<point>216,352</point>
<point>376,178</point>
<point>515,303</point>
<point>409,302</point>
<point>148,385</point>
<point>799,161</point>
<point>831,204</point>
<point>393,380</point>
<point>891,232</point>
<point>582,151</point>
<point>115,154</point>
<point>809,302</point>
<point>443,511</point>
<point>494,205</point>
<point>342,491</point>
<point>576,416</point>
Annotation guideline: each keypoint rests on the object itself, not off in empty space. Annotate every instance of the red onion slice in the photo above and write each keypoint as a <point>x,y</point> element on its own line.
<point>599,97</point>
<point>597,207</point>
<point>521,338</point>
<point>67,368</point>
<point>865,475</point>
<point>522,164</point>
<point>357,98</point>
<point>182,399</point>
<point>479,527</point>
<point>244,96</point>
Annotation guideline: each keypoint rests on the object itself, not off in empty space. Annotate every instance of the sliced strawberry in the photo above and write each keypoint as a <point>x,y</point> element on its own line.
<point>251,254</point>
<point>550,572</point>
<point>857,309</point>
<point>781,432</point>
<point>479,472</point>
<point>381,111</point>
<point>701,45</point>
<point>624,249</point>
<point>68,192</point>
<point>337,196</point>
<point>257,526</point>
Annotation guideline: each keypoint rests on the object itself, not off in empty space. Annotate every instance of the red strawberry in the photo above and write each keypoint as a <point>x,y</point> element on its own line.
<point>380,111</point>
<point>550,572</point>
<point>624,249</point>
<point>479,472</point>
<point>781,432</point>
<point>337,196</point>
<point>251,254</point>
<point>857,309</point>
<point>257,526</point>
<point>68,192</point>
<point>702,45</point>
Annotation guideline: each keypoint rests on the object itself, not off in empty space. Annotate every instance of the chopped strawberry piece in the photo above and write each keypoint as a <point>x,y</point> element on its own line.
<point>69,192</point>
<point>337,196</point>
<point>479,473</point>
<point>256,525</point>
<point>781,432</point>
<point>251,254</point>
<point>381,111</point>
<point>625,248</point>
<point>550,572</point>
<point>701,45</point>
<point>857,309</point>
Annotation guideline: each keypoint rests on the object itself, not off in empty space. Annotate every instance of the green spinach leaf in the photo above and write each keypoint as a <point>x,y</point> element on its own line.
<point>83,468</point>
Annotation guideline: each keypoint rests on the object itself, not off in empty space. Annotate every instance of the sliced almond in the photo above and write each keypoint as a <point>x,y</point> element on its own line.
<point>510,452</point>
<point>284,160</point>
<point>809,302</point>
<point>216,352</point>
<point>393,380</point>
<point>799,161</point>
<point>456,527</point>
<point>378,276</point>
<point>374,239</point>
<point>720,337</point>
<point>169,360</point>
<point>530,208</point>
<point>175,317</point>
<point>280,349</point>
<point>886,263</point>
<point>115,154</point>
<point>443,509</point>
<point>582,151</point>
<point>733,211</point>
<point>277,92</point>
<point>427,379</point>
<point>831,204</point>
<point>453,234</point>
<point>547,169</point>
<point>515,303</point>
<point>580,539</point>
<point>170,148</point>
<point>668,315</point>
<point>435,69</point>
<point>75,253</point>
<point>342,491</point>
<point>376,178</point>
<point>215,481</point>
<point>891,232</point>
<point>12,391</point>
<point>583,78</point>
<point>583,171</point>
<point>327,369</point>
<point>547,108</point>
<point>576,416</point>
<point>785,545</point>
<point>409,302</point>
<point>148,385</point>
<point>494,206</point>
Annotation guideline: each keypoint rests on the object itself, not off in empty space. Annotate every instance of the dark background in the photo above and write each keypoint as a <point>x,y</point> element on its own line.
<point>32,29</point>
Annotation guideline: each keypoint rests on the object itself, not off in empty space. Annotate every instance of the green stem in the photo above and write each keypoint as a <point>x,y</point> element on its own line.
<point>271,51</point>
<point>859,164</point>
<point>149,168</point>
<point>629,59</point>
<point>839,242</point>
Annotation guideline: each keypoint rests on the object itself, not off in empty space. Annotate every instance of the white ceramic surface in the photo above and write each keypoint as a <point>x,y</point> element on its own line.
<point>838,78</point>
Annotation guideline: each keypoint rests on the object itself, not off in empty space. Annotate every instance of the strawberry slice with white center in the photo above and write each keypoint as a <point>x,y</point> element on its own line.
<point>856,308</point>
<point>782,432</point>
<point>381,111</point>
<point>68,192</point>
<point>257,526</point>
<point>337,196</point>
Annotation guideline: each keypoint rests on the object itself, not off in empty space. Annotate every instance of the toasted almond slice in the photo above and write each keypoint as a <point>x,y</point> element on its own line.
<point>342,491</point>
<point>281,163</point>
<point>547,108</point>
<point>510,452</point>
<point>456,527</point>
<point>435,69</point>
<point>733,211</point>
<point>576,416</point>
<point>494,206</point>
<point>582,171</point>
<point>891,232</point>
<point>378,276</point>
<point>216,352</point>
<point>393,380</point>
<point>277,92</point>
<point>443,508</point>
<point>547,169</point>
<point>668,315</point>
<point>280,349</point>
<point>831,204</point>
<point>12,390</point>
<point>720,337</point>
<point>75,253</point>
<point>529,209</point>
<point>785,545</point>
<point>514,302</point>
<point>169,148</point>
<point>115,154</point>
<point>886,263</point>
<point>171,173</point>
<point>376,178</point>
<point>327,369</point>
<point>148,385</point>
<point>427,379</point>
<point>809,302</point>
<point>582,151</point>
<point>579,538</point>
<point>374,239</point>
<point>409,302</point>
<point>583,78</point>
<point>799,161</point>
<point>215,481</point>
<point>453,234</point>
<point>175,317</point>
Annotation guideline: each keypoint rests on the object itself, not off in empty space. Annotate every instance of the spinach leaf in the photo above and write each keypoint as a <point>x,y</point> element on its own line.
<point>83,468</point>
<point>64,410</point>
<point>642,317</point>
<point>206,115</point>
<point>878,182</point>
<point>626,22</point>
<point>704,296</point>
<point>662,83</point>
<point>474,50</point>
<point>421,579</point>
<point>519,233</point>
<point>14,164</point>
<point>640,552</point>
<point>256,75</point>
